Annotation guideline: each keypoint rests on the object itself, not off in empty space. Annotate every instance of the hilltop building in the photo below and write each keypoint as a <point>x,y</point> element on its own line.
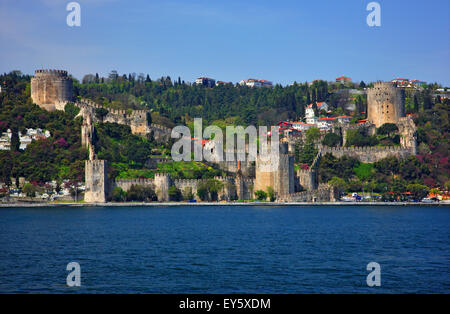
<point>404,82</point>
<point>205,81</point>
<point>256,83</point>
<point>343,79</point>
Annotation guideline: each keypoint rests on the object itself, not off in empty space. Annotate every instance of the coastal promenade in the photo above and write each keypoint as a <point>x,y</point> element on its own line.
<point>134,204</point>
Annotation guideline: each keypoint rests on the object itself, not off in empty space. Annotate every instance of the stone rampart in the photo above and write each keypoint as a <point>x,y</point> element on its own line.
<point>368,154</point>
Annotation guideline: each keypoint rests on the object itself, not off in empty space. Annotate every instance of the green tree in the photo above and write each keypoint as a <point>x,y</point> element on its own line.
<point>261,195</point>
<point>29,190</point>
<point>187,194</point>
<point>101,113</point>
<point>118,194</point>
<point>203,191</point>
<point>364,171</point>
<point>312,135</point>
<point>71,109</point>
<point>416,104</point>
<point>215,186</point>
<point>387,129</point>
<point>141,193</point>
<point>271,194</point>
<point>338,183</point>
<point>308,154</point>
<point>418,191</point>
<point>175,194</point>
<point>15,140</point>
<point>331,139</point>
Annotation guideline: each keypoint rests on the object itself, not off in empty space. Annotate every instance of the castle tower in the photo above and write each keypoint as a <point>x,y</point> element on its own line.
<point>278,174</point>
<point>96,181</point>
<point>51,89</point>
<point>385,103</point>
<point>162,184</point>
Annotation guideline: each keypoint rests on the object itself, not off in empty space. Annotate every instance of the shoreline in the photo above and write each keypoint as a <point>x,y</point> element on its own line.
<point>174,204</point>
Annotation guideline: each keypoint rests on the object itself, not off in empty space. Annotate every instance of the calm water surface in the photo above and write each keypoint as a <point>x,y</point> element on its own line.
<point>225,249</point>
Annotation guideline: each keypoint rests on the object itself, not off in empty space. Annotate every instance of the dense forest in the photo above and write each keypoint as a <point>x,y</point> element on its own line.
<point>225,103</point>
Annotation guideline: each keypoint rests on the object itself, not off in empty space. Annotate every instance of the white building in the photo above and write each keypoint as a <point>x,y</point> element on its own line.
<point>256,83</point>
<point>309,112</point>
<point>311,120</point>
<point>205,81</point>
<point>25,139</point>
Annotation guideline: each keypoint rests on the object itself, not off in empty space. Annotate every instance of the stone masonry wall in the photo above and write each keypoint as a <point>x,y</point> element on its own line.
<point>137,120</point>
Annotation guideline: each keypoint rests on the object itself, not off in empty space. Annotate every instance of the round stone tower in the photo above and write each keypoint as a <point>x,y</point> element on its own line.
<point>51,89</point>
<point>385,103</point>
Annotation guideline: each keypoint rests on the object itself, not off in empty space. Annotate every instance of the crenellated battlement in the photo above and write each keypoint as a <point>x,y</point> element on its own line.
<point>161,175</point>
<point>128,114</point>
<point>137,181</point>
<point>160,127</point>
<point>51,89</point>
<point>52,72</point>
<point>381,85</point>
<point>326,149</point>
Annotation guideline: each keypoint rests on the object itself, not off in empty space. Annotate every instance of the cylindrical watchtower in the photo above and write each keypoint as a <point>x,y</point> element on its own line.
<point>385,103</point>
<point>51,89</point>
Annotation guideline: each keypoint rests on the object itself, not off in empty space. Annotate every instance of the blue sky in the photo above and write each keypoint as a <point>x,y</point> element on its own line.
<point>282,41</point>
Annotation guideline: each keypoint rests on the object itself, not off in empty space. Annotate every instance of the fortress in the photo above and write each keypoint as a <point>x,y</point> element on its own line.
<point>385,105</point>
<point>51,89</point>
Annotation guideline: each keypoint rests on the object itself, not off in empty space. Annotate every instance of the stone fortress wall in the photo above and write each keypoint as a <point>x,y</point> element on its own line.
<point>51,89</point>
<point>323,193</point>
<point>136,119</point>
<point>308,179</point>
<point>368,154</point>
<point>233,188</point>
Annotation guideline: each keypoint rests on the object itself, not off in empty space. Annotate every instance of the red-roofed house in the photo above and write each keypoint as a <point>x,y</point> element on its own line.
<point>223,83</point>
<point>285,124</point>
<point>343,79</point>
<point>416,83</point>
<point>301,126</point>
